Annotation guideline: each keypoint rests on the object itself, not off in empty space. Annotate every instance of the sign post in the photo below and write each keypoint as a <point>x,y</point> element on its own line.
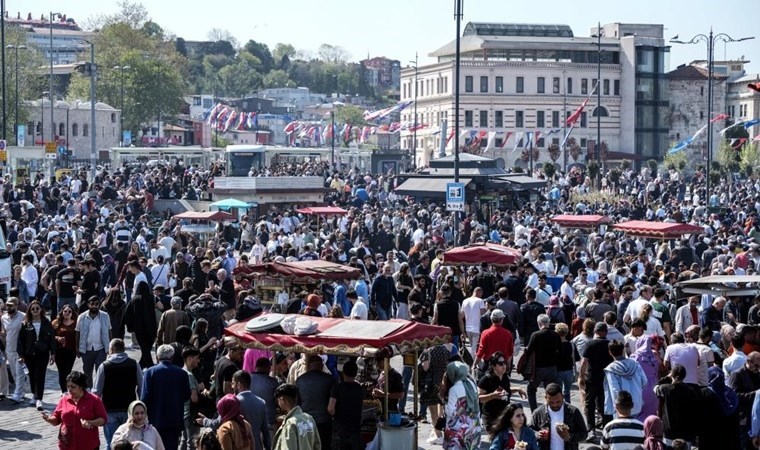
<point>455,196</point>
<point>50,149</point>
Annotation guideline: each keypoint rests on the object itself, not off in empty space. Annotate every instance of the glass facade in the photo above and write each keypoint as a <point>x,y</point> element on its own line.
<point>652,106</point>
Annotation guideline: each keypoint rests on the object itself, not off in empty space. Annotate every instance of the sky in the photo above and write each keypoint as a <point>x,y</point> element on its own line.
<point>398,29</point>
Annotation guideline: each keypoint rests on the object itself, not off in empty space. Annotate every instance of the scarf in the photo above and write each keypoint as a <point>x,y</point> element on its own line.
<point>458,371</point>
<point>653,432</point>
<point>130,410</point>
<point>229,409</point>
<point>644,354</point>
<point>726,396</point>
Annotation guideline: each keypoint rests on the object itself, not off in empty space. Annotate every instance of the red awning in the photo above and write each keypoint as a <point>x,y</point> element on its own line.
<point>317,270</point>
<point>212,216</point>
<point>346,337</point>
<point>476,253</point>
<point>322,210</point>
<point>580,221</point>
<point>658,230</point>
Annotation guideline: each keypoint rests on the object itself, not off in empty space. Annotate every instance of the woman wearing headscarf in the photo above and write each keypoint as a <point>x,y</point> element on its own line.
<point>555,310</point>
<point>719,427</point>
<point>234,432</point>
<point>140,318</point>
<point>650,362</point>
<point>653,439</point>
<point>137,428</point>
<point>462,430</point>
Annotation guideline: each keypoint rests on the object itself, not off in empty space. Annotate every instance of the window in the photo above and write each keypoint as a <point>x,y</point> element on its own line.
<point>437,85</point>
<point>555,85</point>
<point>404,90</point>
<point>593,84</point>
<point>499,84</point>
<point>540,119</point>
<point>468,83</point>
<point>113,117</point>
<point>584,142</point>
<point>540,143</point>
<point>75,130</point>
<point>616,87</point>
<point>85,129</point>
<point>541,85</point>
<point>600,111</point>
<point>207,103</point>
<point>499,119</point>
<point>583,120</point>
<point>555,141</point>
<point>569,86</point>
<point>468,118</point>
<point>445,84</point>
<point>196,101</point>
<point>62,130</point>
<point>518,119</point>
<point>606,86</point>
<point>520,85</point>
<point>584,86</point>
<point>555,119</point>
<point>484,119</point>
<point>701,115</point>
<point>483,84</point>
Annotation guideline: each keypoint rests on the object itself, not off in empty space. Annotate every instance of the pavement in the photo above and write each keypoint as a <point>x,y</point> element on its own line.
<point>22,427</point>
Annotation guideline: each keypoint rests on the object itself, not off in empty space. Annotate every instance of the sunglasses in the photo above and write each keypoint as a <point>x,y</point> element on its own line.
<point>500,363</point>
<point>35,309</point>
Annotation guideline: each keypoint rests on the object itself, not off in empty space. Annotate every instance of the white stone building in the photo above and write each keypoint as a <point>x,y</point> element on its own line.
<point>521,78</point>
<point>73,126</point>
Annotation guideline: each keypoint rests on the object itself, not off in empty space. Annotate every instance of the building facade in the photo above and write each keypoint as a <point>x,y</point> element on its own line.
<point>72,125</point>
<point>383,73</point>
<point>67,43</point>
<point>529,78</point>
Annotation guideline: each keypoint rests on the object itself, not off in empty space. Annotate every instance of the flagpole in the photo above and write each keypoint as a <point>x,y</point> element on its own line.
<point>458,18</point>
<point>564,116</point>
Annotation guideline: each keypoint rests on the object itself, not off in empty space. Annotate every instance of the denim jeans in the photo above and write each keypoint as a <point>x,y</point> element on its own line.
<point>115,419</point>
<point>91,360</point>
<point>565,379</point>
<point>382,313</point>
<point>406,378</point>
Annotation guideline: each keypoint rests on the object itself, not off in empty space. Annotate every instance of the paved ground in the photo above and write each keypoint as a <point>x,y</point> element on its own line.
<point>22,427</point>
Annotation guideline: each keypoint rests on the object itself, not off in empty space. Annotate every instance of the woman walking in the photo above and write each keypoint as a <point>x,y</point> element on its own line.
<point>651,363</point>
<point>512,430</point>
<point>140,318</point>
<point>79,413</point>
<point>137,428</point>
<point>66,345</point>
<point>462,430</point>
<point>36,349</point>
<point>233,432</point>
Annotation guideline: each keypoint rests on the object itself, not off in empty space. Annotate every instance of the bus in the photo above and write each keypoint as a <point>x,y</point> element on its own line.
<point>240,159</point>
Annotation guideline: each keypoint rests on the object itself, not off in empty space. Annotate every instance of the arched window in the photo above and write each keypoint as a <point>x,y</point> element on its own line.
<point>75,129</point>
<point>600,111</point>
<point>113,117</point>
<point>62,130</point>
<point>39,127</point>
<point>85,129</point>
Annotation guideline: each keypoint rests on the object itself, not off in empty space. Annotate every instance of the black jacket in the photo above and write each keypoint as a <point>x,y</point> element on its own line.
<point>31,343</point>
<point>573,419</point>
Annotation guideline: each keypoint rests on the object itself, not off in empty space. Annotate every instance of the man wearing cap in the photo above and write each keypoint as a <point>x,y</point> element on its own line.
<point>170,320</point>
<point>494,339</point>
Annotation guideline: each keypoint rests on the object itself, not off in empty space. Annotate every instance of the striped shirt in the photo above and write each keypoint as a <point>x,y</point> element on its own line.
<point>623,434</point>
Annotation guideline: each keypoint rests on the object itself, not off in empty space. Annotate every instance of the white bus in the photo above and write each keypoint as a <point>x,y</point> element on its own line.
<point>240,159</point>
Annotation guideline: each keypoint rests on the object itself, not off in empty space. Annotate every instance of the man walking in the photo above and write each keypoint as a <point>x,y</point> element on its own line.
<point>118,383</point>
<point>383,294</point>
<point>545,345</point>
<point>472,308</point>
<point>315,387</point>
<point>557,411</point>
<point>166,388</point>
<point>12,322</point>
<point>298,429</point>
<point>596,356</point>
<point>93,336</point>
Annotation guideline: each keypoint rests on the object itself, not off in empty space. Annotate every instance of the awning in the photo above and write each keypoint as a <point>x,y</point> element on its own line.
<point>580,221</point>
<point>213,216</point>
<point>657,230</point>
<point>522,182</point>
<point>434,186</point>
<point>231,203</point>
<point>725,285</point>
<point>346,337</point>
<point>475,254</point>
<point>323,210</point>
<point>316,270</point>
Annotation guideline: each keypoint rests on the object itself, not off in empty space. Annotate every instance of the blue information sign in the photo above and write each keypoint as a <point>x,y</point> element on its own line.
<point>455,196</point>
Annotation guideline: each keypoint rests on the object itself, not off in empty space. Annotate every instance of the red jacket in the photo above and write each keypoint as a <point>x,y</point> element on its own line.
<point>496,339</point>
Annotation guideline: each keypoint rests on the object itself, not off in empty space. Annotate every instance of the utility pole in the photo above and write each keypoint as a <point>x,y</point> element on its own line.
<point>52,93</point>
<point>414,124</point>
<point>458,17</point>
<point>597,153</point>
<point>2,63</point>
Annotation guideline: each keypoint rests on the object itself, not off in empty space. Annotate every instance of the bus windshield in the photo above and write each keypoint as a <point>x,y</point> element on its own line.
<point>239,164</point>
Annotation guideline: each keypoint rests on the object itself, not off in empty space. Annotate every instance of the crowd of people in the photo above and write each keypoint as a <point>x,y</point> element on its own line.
<point>595,315</point>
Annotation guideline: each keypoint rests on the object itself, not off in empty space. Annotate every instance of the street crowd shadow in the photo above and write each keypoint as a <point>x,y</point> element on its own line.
<point>18,435</point>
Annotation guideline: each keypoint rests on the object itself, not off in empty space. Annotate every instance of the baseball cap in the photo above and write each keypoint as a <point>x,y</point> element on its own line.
<point>497,314</point>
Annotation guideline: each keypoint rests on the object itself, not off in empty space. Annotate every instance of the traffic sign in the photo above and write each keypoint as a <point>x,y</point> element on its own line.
<point>50,155</point>
<point>455,196</point>
<point>62,149</point>
<point>3,144</point>
<point>50,147</point>
<point>3,155</point>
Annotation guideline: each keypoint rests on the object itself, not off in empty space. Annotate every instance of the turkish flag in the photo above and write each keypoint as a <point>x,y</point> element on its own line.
<point>754,86</point>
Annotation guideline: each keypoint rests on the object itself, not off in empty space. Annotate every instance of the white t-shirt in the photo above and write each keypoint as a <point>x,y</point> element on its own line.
<point>471,307</point>
<point>556,442</point>
<point>93,337</point>
<point>359,311</point>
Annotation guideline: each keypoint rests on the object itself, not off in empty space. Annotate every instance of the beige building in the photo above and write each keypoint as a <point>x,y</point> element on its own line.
<point>72,125</point>
<point>526,78</point>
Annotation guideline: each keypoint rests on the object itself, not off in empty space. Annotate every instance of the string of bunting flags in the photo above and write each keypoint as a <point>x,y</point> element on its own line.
<point>735,143</point>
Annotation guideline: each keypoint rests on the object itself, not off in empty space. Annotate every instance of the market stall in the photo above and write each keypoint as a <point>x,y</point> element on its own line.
<point>585,221</point>
<point>270,279</point>
<point>657,230</point>
<point>202,223</point>
<point>320,211</point>
<point>355,338</point>
<point>722,285</point>
<point>474,254</point>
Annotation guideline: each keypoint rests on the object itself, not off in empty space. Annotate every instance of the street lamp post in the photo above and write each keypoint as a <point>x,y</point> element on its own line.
<point>42,116</point>
<point>414,124</point>
<point>121,70</point>
<point>93,130</point>
<point>597,152</point>
<point>52,95</point>
<point>2,63</point>
<point>16,48</point>
<point>332,139</point>
<point>458,13</point>
<point>710,41</point>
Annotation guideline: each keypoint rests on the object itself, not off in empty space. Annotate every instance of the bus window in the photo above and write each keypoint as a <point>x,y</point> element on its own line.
<point>240,163</point>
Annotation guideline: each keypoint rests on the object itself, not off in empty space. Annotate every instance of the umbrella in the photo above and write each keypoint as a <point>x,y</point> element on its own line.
<point>476,253</point>
<point>231,203</point>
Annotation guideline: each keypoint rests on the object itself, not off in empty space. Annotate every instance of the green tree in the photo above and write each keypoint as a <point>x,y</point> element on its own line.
<point>277,78</point>
<point>260,51</point>
<point>750,158</point>
<point>675,161</point>
<point>549,170</point>
<point>281,53</point>
<point>728,158</point>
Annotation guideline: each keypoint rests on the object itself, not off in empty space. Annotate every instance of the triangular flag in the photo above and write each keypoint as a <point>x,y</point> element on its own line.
<point>754,86</point>
<point>507,135</point>
<point>751,123</point>
<point>518,137</point>
<point>719,117</point>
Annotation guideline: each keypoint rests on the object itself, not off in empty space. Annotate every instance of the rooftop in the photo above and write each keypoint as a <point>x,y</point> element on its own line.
<point>517,29</point>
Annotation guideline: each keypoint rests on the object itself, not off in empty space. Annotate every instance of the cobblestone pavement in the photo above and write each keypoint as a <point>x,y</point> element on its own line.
<point>22,427</point>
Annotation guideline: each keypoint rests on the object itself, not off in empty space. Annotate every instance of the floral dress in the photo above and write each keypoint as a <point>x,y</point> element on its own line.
<point>463,429</point>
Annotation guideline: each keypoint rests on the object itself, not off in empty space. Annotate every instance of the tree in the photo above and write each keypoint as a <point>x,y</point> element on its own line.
<point>549,170</point>
<point>554,152</point>
<point>283,52</point>
<point>260,51</point>
<point>217,34</point>
<point>652,164</point>
<point>750,159</point>
<point>728,158</point>
<point>30,83</point>
<point>573,148</point>
<point>675,161</point>
<point>625,164</point>
<point>277,79</point>
<point>334,54</point>
<point>593,170</point>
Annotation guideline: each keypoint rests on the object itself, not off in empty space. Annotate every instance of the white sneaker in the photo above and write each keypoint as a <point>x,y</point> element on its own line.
<point>38,403</point>
<point>435,440</point>
<point>32,401</point>
<point>16,398</point>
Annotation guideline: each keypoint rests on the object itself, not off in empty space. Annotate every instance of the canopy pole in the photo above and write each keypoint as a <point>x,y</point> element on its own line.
<point>416,395</point>
<point>386,369</point>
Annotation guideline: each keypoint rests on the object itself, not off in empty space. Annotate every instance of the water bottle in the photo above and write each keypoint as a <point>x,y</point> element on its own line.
<point>25,369</point>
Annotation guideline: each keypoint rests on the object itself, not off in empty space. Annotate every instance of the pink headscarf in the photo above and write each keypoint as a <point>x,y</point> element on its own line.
<point>653,432</point>
<point>229,409</point>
